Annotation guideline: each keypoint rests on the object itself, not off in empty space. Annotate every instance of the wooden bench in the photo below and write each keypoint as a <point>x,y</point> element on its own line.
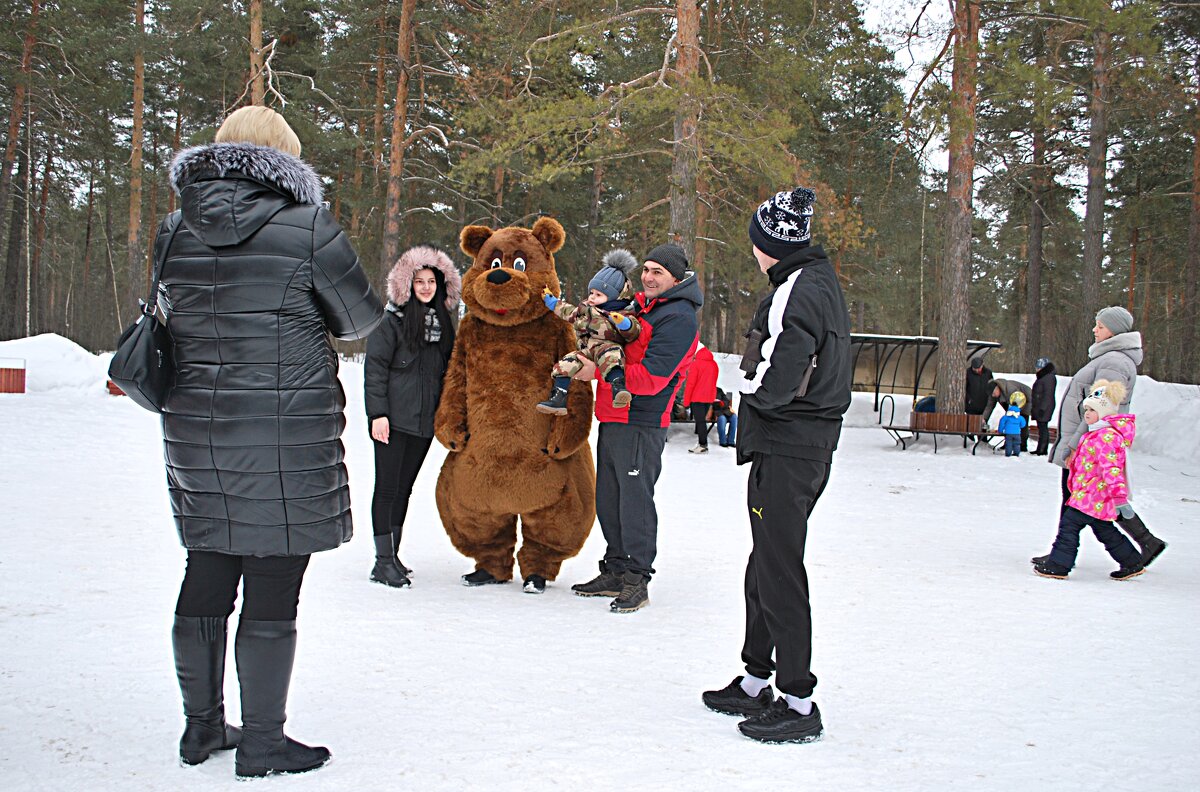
<point>968,427</point>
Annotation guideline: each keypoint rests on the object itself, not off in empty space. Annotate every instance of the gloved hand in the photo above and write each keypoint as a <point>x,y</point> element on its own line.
<point>622,321</point>
<point>1125,510</point>
<point>549,298</point>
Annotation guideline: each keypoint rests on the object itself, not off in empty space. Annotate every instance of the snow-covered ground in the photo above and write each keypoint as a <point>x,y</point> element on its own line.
<point>943,662</point>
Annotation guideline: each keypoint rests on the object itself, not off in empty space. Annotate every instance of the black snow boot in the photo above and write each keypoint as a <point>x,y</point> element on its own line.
<point>606,584</point>
<point>1127,572</point>
<point>397,531</point>
<point>480,577</point>
<point>1049,569</point>
<point>386,570</point>
<point>555,403</point>
<point>1152,547</point>
<point>782,724</point>
<point>265,652</point>
<point>535,584</point>
<point>732,700</point>
<point>620,394</point>
<point>199,643</point>
<point>634,594</point>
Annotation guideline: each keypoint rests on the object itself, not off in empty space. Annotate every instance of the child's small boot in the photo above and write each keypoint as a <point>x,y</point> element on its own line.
<point>556,403</point>
<point>620,395</point>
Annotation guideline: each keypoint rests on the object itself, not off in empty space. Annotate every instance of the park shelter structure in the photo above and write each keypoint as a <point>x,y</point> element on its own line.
<point>905,365</point>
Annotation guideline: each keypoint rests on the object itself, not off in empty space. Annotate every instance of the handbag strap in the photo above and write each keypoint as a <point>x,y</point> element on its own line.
<point>151,304</point>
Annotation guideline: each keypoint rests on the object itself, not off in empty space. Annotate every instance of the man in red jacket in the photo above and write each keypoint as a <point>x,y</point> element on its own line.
<point>699,393</point>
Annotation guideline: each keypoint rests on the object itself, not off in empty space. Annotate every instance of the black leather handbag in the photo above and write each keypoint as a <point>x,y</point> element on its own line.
<point>143,365</point>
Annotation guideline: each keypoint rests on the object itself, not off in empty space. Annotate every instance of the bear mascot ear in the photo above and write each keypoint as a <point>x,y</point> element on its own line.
<point>472,237</point>
<point>550,233</point>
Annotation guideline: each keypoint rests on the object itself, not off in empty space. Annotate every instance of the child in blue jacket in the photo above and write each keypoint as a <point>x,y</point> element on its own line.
<point>1010,426</point>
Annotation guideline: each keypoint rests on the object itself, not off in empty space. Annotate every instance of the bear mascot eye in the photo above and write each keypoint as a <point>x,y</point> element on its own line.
<point>496,262</point>
<point>519,264</point>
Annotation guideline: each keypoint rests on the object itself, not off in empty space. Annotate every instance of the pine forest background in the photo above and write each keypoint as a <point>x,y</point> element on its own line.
<point>1073,132</point>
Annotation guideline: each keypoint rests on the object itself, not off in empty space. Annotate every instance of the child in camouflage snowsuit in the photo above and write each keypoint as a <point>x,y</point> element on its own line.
<point>600,329</point>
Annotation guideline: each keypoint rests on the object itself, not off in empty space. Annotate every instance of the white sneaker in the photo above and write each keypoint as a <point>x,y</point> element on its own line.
<point>698,450</point>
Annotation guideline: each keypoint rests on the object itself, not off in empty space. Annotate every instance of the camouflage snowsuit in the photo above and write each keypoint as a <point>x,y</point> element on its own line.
<point>599,339</point>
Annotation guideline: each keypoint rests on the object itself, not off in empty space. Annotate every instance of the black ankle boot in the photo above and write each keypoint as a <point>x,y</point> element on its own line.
<point>265,651</point>
<point>556,403</point>
<point>620,394</point>
<point>386,570</point>
<point>397,532</point>
<point>199,644</point>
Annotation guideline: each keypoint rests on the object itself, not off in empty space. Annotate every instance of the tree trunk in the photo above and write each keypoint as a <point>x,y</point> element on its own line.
<point>42,300</point>
<point>258,83</point>
<point>1192,272</point>
<point>391,218</point>
<point>954,301</point>
<point>1097,160</point>
<point>137,268</point>
<point>8,300</point>
<point>1039,188</point>
<point>14,283</point>
<point>175,141</point>
<point>686,150</point>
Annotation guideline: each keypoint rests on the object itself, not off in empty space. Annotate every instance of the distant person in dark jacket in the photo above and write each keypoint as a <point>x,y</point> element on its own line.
<point>402,377</point>
<point>1006,393</point>
<point>726,419</point>
<point>978,377</point>
<point>256,279</point>
<point>795,391</point>
<point>1044,402</point>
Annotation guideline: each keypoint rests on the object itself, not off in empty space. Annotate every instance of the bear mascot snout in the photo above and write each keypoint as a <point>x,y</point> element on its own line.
<point>506,460</point>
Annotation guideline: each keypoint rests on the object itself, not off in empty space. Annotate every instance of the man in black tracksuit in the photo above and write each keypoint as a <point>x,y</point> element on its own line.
<point>796,389</point>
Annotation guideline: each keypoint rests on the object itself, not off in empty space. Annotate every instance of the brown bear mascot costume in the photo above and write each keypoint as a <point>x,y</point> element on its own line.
<point>507,460</point>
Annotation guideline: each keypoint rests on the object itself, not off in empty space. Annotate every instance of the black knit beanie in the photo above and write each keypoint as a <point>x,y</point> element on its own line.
<point>780,225</point>
<point>672,258</point>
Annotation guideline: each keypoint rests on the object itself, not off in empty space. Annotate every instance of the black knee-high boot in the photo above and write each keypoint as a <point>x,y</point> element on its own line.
<point>265,653</point>
<point>199,644</point>
<point>1150,544</point>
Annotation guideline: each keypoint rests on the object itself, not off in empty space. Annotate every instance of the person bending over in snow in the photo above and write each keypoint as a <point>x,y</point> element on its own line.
<point>601,331</point>
<point>1099,488</point>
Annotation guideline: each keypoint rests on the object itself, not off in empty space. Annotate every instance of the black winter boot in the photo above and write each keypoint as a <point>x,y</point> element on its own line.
<point>606,584</point>
<point>480,577</point>
<point>265,652</point>
<point>397,531</point>
<point>199,643</point>
<point>386,570</point>
<point>1152,547</point>
<point>732,700</point>
<point>634,594</point>
<point>620,395</point>
<point>555,403</point>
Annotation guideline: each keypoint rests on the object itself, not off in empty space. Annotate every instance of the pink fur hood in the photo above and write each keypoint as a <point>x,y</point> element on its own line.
<point>400,279</point>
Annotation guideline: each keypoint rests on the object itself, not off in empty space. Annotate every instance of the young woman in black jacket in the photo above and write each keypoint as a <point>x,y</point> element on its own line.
<point>406,360</point>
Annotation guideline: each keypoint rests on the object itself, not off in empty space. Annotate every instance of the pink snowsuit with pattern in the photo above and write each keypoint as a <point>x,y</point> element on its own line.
<point>1097,480</point>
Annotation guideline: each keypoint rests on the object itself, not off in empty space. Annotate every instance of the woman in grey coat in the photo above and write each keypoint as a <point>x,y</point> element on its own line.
<point>1115,357</point>
<point>256,276</point>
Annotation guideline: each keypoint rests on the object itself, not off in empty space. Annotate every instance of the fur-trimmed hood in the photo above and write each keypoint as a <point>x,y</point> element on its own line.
<point>228,191</point>
<point>291,175</point>
<point>400,279</point>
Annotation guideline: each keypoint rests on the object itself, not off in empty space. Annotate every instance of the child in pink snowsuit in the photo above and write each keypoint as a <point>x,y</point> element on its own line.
<point>1099,488</point>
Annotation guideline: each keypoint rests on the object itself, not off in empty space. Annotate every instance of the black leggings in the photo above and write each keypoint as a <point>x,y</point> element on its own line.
<point>270,592</point>
<point>397,463</point>
<point>700,416</point>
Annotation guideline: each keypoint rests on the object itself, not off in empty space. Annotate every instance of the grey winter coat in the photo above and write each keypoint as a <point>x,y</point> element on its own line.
<point>257,277</point>
<point>1007,389</point>
<point>1114,359</point>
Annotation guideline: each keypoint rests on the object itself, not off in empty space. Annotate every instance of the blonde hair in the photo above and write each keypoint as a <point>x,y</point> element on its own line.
<point>261,126</point>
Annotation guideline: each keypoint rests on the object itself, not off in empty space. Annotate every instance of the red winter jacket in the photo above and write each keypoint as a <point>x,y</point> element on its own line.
<point>701,383</point>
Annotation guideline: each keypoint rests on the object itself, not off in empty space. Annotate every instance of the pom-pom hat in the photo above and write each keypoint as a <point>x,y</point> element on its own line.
<point>781,224</point>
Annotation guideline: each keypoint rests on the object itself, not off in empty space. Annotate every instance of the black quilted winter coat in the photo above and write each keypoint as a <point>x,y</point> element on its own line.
<point>257,277</point>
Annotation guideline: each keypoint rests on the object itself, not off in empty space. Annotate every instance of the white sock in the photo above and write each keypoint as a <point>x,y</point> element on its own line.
<point>802,705</point>
<point>752,685</point>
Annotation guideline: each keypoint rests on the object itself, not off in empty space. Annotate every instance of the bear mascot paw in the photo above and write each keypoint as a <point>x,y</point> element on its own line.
<point>507,460</point>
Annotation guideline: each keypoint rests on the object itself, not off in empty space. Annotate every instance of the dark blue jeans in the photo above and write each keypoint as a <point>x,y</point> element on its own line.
<point>1071,525</point>
<point>1012,445</point>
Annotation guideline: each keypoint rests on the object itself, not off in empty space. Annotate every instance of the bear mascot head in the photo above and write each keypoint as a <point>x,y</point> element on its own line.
<point>507,461</point>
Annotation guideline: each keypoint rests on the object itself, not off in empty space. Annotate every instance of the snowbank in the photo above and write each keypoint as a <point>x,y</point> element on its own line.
<point>54,363</point>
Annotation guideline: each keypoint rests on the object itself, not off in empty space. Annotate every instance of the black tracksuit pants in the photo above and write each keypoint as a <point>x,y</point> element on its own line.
<point>628,461</point>
<point>397,463</point>
<point>780,495</point>
<point>270,586</point>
